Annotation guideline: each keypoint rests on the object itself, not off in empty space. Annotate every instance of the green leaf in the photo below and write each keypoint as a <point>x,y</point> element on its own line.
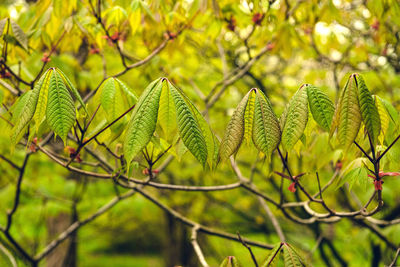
<point>143,121</point>
<point>296,119</point>
<point>131,97</point>
<point>19,35</point>
<point>235,130</point>
<point>321,106</point>
<point>273,256</point>
<point>291,257</point>
<point>249,118</point>
<point>40,113</point>
<point>355,174</point>
<point>348,113</point>
<point>24,111</point>
<point>60,111</point>
<point>112,102</point>
<point>369,112</point>
<point>189,128</point>
<point>72,88</point>
<point>266,130</point>
<point>230,261</point>
<point>384,118</point>
<point>167,113</point>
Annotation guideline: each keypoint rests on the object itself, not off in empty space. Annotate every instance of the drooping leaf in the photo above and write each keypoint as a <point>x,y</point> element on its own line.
<point>291,257</point>
<point>72,88</point>
<point>143,121</point>
<point>40,113</point>
<point>266,130</point>
<point>321,106</point>
<point>273,256</point>
<point>369,112</point>
<point>131,97</point>
<point>112,103</point>
<point>353,175</point>
<point>167,113</point>
<point>189,128</point>
<point>384,118</point>
<point>348,113</point>
<point>19,35</point>
<point>23,113</point>
<point>249,118</point>
<point>234,132</point>
<point>296,119</point>
<point>230,261</point>
<point>60,112</point>
<point>3,24</point>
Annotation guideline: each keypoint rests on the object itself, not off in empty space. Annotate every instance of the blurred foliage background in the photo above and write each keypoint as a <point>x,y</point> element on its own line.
<point>215,51</point>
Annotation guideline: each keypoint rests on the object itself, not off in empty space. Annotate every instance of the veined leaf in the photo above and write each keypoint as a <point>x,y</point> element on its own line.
<point>348,113</point>
<point>19,34</point>
<point>131,97</point>
<point>249,117</point>
<point>291,257</point>
<point>266,130</point>
<point>143,121</point>
<point>72,88</point>
<point>321,106</point>
<point>24,112</point>
<point>384,117</point>
<point>167,113</point>
<point>3,24</point>
<point>189,128</point>
<point>60,112</point>
<point>40,113</point>
<point>272,257</point>
<point>369,112</point>
<point>112,102</point>
<point>230,261</point>
<point>296,119</point>
<point>235,130</point>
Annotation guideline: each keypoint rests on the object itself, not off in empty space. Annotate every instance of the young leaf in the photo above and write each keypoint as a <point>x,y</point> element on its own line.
<point>321,106</point>
<point>112,102</point>
<point>143,121</point>
<point>348,113</point>
<point>19,35</point>
<point>273,256</point>
<point>384,118</point>
<point>131,97</point>
<point>291,257</point>
<point>40,113</point>
<point>72,88</point>
<point>249,118</point>
<point>235,130</point>
<point>266,130</point>
<point>230,261</point>
<point>60,112</point>
<point>369,112</point>
<point>167,113</point>
<point>189,128</point>
<point>3,24</point>
<point>24,112</point>
<point>296,119</point>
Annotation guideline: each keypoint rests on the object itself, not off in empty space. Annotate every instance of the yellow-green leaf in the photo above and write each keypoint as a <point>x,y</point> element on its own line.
<point>296,118</point>
<point>266,130</point>
<point>321,106</point>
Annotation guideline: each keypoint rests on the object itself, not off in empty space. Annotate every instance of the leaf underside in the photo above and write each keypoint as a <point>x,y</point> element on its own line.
<point>234,131</point>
